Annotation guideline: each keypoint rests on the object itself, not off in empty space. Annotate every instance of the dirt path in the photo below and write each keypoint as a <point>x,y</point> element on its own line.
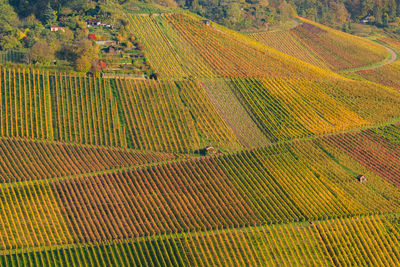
<point>387,61</point>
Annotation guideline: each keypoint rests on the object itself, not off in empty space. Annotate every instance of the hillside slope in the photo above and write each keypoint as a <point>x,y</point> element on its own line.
<point>324,47</point>
<point>236,155</point>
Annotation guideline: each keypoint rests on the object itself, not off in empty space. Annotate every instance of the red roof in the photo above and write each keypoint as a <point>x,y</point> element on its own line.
<point>93,20</point>
<point>92,37</point>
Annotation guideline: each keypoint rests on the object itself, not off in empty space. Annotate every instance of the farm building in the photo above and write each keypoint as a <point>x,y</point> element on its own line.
<point>55,28</point>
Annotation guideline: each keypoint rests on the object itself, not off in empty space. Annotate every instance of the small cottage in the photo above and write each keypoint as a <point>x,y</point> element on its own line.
<point>55,28</point>
<point>368,18</point>
<point>362,179</point>
<point>93,23</point>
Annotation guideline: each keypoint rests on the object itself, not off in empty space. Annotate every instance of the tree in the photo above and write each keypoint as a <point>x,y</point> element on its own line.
<point>233,13</point>
<point>49,16</point>
<point>9,42</point>
<point>398,8</point>
<point>41,52</point>
<point>378,15</point>
<point>339,12</point>
<point>83,64</point>
<point>86,51</point>
<point>385,20</point>
<point>392,9</point>
<point>8,17</point>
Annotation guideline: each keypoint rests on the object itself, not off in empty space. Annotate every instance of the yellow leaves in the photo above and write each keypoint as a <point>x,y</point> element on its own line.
<point>22,34</point>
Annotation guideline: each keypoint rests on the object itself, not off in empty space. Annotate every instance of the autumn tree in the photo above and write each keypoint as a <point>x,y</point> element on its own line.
<point>86,52</point>
<point>41,52</point>
<point>83,64</point>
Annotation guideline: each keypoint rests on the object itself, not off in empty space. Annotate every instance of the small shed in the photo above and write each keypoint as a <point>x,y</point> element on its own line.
<point>206,22</point>
<point>362,179</point>
<point>209,150</point>
<point>55,28</point>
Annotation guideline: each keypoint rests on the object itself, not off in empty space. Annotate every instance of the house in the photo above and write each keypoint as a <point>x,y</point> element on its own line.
<point>55,28</point>
<point>93,23</point>
<point>206,22</point>
<point>365,20</point>
<point>362,179</point>
<point>368,18</point>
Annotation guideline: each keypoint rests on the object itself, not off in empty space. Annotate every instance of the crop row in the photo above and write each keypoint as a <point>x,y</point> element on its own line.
<point>12,57</point>
<point>180,46</point>
<point>171,116</point>
<point>337,49</point>
<point>375,152</point>
<point>22,160</point>
<point>227,55</point>
<point>286,109</point>
<point>58,107</point>
<point>286,42</point>
<point>85,111</point>
<point>362,241</point>
<point>156,115</point>
<point>222,96</point>
<point>168,53</point>
<point>306,180</point>
<point>388,75</point>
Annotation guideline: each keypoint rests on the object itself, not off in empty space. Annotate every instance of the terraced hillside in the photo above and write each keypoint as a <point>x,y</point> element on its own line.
<point>236,155</point>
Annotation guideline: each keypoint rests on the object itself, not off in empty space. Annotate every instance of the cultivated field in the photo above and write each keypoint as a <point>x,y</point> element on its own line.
<point>236,155</point>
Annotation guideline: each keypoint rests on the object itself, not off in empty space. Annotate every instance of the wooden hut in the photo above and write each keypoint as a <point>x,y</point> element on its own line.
<point>209,150</point>
<point>362,179</point>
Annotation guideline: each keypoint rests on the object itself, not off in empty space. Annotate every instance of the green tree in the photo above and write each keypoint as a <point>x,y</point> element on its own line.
<point>378,15</point>
<point>9,42</point>
<point>8,17</point>
<point>49,16</point>
<point>385,20</point>
<point>398,8</point>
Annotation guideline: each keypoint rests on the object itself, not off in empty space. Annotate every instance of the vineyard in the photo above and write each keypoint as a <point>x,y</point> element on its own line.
<point>235,154</point>
<point>286,42</point>
<point>12,57</point>
<point>323,47</point>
